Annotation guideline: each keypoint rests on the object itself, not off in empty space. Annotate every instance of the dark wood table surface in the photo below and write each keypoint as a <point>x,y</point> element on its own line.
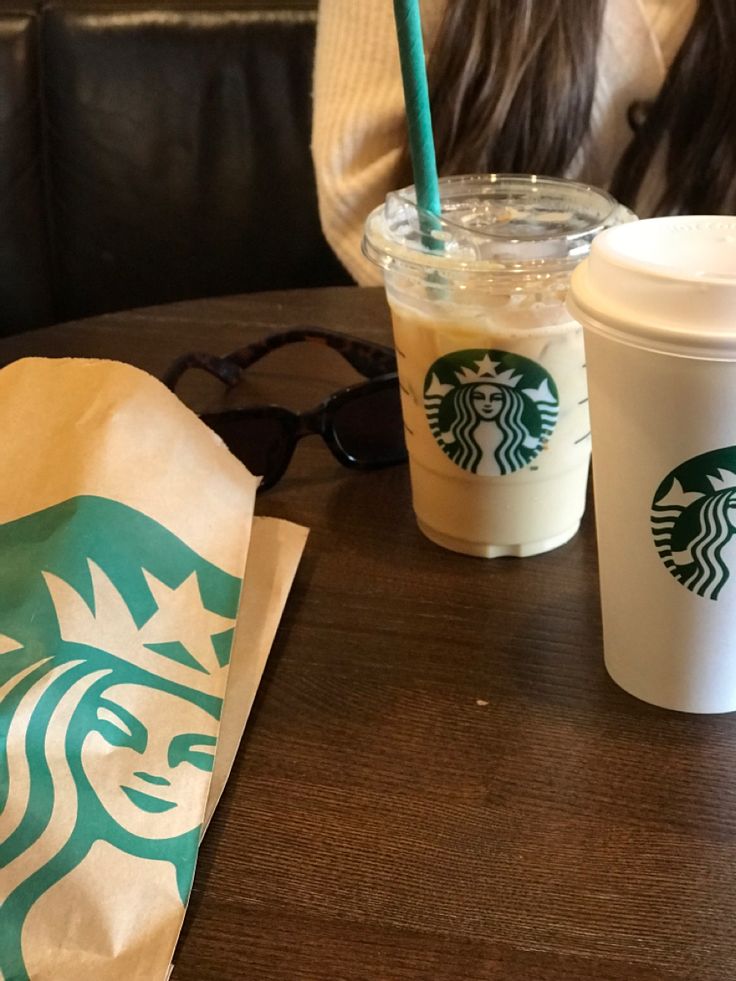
<point>438,780</point>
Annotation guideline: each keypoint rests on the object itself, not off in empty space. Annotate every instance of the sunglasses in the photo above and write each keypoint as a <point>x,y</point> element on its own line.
<point>361,424</point>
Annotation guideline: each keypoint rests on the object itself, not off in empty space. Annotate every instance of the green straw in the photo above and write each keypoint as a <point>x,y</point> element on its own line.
<point>418,117</point>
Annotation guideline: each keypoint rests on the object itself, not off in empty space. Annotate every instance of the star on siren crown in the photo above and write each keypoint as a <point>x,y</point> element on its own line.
<point>487,371</point>
<point>726,480</point>
<point>180,617</point>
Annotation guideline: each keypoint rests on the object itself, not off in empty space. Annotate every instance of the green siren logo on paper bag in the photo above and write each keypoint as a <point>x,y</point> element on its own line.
<point>694,521</point>
<point>491,412</point>
<point>114,642</point>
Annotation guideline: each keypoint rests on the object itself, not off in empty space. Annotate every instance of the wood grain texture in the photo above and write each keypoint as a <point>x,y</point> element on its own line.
<point>438,780</point>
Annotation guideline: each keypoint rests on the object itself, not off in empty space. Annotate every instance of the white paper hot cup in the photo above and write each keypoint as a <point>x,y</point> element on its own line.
<point>491,364</point>
<point>657,300</point>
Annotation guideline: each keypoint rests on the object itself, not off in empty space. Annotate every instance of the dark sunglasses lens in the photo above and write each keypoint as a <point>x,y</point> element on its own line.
<point>368,426</point>
<point>262,443</point>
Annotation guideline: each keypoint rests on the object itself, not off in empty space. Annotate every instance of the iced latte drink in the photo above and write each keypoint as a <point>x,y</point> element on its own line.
<point>491,365</point>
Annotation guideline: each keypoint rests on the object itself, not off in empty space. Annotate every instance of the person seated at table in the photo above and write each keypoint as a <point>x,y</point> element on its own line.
<point>634,96</point>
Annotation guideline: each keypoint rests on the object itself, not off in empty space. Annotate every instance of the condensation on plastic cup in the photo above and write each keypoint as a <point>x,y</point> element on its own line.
<point>490,362</point>
<point>658,305</point>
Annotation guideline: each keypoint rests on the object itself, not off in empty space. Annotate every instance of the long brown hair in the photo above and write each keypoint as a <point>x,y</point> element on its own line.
<point>512,83</point>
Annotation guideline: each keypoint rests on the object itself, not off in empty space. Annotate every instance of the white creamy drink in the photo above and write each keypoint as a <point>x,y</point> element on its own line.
<point>491,366</point>
<point>529,509</point>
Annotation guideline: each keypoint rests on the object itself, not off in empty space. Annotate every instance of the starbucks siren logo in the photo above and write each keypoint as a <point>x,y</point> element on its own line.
<point>491,412</point>
<point>694,520</point>
<point>114,642</point>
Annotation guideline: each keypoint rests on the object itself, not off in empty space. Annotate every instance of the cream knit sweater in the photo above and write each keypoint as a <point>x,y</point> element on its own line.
<point>358,125</point>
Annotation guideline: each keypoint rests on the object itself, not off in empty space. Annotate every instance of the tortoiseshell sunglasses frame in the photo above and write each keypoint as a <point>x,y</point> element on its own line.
<point>376,362</point>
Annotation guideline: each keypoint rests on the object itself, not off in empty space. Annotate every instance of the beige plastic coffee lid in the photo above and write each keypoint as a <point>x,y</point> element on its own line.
<point>663,283</point>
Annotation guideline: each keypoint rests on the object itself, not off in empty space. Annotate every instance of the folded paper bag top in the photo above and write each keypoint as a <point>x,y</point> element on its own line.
<point>124,531</point>
<point>75,426</point>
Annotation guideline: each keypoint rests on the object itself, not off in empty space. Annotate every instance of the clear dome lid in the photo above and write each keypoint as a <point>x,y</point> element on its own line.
<point>492,224</point>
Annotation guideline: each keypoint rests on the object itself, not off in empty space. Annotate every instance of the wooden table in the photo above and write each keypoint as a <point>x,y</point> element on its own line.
<point>438,781</point>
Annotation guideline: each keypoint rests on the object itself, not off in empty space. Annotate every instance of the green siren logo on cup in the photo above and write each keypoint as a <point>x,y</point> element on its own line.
<point>694,521</point>
<point>491,412</point>
<point>114,642</point>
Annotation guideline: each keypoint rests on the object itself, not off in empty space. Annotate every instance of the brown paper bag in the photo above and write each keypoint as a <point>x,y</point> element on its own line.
<point>124,530</point>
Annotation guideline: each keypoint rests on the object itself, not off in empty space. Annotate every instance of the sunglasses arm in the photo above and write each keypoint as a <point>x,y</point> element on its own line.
<point>222,368</point>
<point>370,359</point>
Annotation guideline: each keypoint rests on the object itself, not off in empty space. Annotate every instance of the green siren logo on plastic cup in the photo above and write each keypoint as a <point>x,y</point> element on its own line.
<point>490,411</point>
<point>694,521</point>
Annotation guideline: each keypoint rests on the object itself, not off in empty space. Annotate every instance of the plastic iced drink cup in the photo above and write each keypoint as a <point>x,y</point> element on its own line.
<point>491,364</point>
<point>658,303</point>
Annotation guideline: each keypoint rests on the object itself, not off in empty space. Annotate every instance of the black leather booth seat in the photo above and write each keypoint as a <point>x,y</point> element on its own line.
<point>153,153</point>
